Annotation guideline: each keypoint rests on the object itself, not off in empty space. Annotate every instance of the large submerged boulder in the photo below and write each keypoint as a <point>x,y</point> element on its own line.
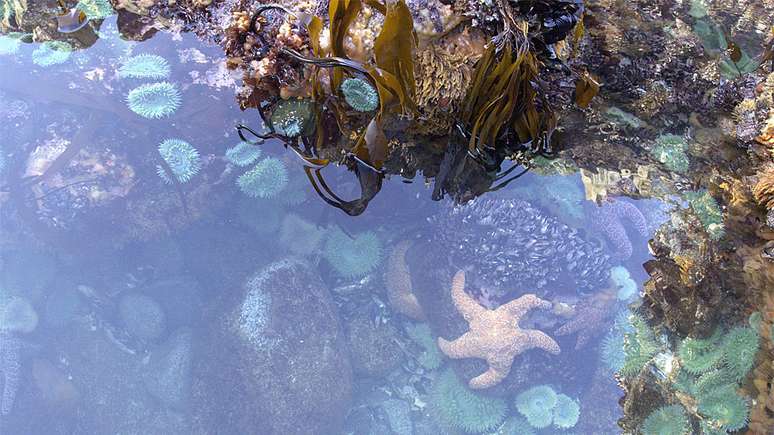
<point>280,358</point>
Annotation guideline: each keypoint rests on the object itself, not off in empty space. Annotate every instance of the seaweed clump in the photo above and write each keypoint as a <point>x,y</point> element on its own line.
<point>358,98</point>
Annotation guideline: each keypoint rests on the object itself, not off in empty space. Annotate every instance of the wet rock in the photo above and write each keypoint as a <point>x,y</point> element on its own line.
<point>373,347</point>
<point>168,376</point>
<point>280,359</point>
<point>142,316</point>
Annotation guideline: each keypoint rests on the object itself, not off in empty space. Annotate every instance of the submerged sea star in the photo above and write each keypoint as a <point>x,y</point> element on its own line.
<point>494,335</point>
<point>608,218</point>
<point>591,318</point>
<point>397,279</point>
<point>10,368</point>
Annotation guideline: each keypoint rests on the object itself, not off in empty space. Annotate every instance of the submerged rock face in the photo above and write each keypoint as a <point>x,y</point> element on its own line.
<point>280,365</point>
<point>513,245</point>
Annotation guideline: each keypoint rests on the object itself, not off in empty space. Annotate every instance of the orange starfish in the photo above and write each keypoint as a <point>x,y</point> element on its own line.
<point>494,335</point>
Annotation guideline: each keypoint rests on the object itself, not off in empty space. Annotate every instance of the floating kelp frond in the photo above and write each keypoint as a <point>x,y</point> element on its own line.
<point>51,53</point>
<point>145,66</point>
<point>154,100</point>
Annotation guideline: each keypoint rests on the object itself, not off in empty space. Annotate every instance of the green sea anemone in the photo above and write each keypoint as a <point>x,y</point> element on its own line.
<point>265,180</point>
<point>181,157</point>
<point>708,211</point>
<point>668,420</point>
<point>699,355</point>
<point>537,404</point>
<point>739,347</point>
<point>566,412</point>
<point>51,53</point>
<point>145,66</point>
<point>670,150</point>
<point>639,346</point>
<point>712,380</point>
<point>725,408</point>
<point>360,95</point>
<point>431,357</point>
<point>292,118</point>
<point>612,351</point>
<point>453,405</point>
<point>96,9</point>
<point>352,257</point>
<point>243,154</point>
<point>154,100</point>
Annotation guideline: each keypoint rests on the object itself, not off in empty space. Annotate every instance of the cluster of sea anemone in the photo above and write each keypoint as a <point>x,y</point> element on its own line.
<point>640,346</point>
<point>629,345</point>
<point>543,407</point>
<point>712,371</point>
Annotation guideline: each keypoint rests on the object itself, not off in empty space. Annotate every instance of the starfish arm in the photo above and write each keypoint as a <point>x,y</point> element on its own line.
<point>518,307</point>
<point>459,348</point>
<point>631,213</point>
<point>541,340</point>
<point>466,305</point>
<point>493,376</point>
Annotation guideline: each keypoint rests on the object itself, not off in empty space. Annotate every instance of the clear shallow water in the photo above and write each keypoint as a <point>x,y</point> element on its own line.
<point>193,308</point>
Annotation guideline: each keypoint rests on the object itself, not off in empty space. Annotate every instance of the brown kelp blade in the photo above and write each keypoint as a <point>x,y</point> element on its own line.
<point>394,51</point>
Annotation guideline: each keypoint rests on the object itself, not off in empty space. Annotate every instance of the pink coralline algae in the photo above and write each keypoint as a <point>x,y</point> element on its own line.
<point>609,220</point>
<point>10,368</point>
